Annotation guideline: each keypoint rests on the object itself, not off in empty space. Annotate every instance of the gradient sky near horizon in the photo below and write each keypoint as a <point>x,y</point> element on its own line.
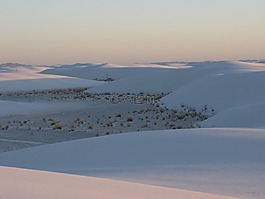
<point>123,32</point>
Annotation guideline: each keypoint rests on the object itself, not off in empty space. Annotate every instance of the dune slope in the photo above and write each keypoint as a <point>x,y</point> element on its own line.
<point>31,184</point>
<point>221,161</point>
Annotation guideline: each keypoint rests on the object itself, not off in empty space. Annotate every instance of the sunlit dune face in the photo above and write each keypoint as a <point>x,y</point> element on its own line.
<point>23,73</point>
<point>251,66</point>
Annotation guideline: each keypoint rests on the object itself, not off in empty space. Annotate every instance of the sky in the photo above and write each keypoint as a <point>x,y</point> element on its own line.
<point>130,31</point>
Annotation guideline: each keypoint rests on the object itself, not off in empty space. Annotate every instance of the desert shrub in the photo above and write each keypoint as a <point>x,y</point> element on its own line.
<point>118,115</point>
<point>145,126</point>
<point>129,119</point>
<point>53,123</point>
<point>57,126</point>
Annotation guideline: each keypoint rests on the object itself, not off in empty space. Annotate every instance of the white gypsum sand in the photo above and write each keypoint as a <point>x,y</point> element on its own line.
<point>31,184</point>
<point>219,161</point>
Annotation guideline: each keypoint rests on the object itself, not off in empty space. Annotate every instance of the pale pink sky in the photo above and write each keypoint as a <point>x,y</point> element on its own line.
<point>116,31</point>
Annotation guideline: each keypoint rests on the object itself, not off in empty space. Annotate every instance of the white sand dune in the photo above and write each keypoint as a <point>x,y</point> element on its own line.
<point>175,76</point>
<point>15,77</point>
<point>29,184</point>
<point>157,81</point>
<point>225,86</point>
<point>230,88</point>
<point>45,84</point>
<point>221,91</point>
<point>220,161</point>
<point>34,108</point>
<point>104,71</point>
<point>249,116</point>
